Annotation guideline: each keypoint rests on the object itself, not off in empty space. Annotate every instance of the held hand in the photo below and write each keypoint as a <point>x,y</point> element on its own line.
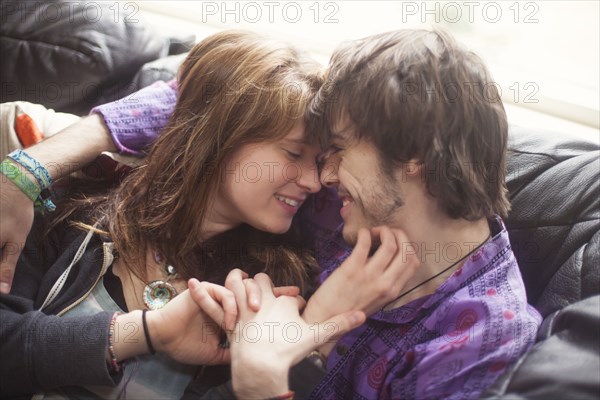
<point>254,294</point>
<point>265,344</point>
<point>188,329</point>
<point>16,214</point>
<point>362,282</point>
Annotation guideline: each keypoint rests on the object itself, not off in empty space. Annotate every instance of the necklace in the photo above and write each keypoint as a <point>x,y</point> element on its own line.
<point>438,274</point>
<point>158,293</point>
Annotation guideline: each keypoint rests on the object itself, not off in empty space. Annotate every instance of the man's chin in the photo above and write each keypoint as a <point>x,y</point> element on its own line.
<point>350,235</point>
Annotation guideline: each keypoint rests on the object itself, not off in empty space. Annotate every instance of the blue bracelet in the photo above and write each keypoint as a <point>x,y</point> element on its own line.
<point>32,165</point>
<point>41,175</point>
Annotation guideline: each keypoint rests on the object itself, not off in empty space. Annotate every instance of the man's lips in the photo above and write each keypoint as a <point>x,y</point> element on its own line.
<point>347,202</point>
<point>345,198</point>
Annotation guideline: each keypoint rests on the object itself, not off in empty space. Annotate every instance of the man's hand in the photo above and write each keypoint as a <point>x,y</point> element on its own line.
<point>362,282</point>
<point>265,344</point>
<point>16,214</point>
<point>63,153</point>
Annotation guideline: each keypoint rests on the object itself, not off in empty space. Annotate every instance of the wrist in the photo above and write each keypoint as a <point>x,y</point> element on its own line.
<point>326,349</point>
<point>153,332</point>
<point>314,313</point>
<point>38,188</point>
<point>259,381</point>
<point>24,198</point>
<point>128,336</point>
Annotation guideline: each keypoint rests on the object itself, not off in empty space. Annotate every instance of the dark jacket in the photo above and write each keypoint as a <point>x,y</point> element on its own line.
<point>40,350</point>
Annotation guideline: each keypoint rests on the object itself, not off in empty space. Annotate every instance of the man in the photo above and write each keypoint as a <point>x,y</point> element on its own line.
<point>418,138</point>
<point>417,141</point>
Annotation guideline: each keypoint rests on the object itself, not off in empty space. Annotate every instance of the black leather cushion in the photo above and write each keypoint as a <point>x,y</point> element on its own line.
<point>163,69</point>
<point>554,225</point>
<point>564,364</point>
<point>70,55</point>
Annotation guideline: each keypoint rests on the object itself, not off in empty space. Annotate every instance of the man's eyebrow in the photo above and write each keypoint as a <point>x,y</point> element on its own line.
<point>336,136</point>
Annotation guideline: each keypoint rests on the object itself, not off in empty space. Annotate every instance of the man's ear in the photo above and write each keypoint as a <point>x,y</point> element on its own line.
<point>412,168</point>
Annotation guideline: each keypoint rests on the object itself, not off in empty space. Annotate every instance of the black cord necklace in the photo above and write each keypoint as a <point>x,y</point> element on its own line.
<point>438,274</point>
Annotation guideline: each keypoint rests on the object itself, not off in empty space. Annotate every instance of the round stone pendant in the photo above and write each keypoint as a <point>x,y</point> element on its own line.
<point>157,294</point>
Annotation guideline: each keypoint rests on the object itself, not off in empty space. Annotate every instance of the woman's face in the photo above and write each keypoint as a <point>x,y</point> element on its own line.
<point>264,184</point>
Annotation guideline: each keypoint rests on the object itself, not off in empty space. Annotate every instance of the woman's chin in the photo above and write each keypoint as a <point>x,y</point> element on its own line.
<point>276,228</point>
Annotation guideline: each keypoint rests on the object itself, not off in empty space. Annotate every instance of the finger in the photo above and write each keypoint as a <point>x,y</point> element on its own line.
<point>225,303</point>
<point>335,327</point>
<point>286,291</point>
<point>253,293</point>
<point>386,251</point>
<point>376,235</point>
<point>362,247</point>
<point>206,301</point>
<point>8,263</point>
<point>404,264</point>
<point>266,285</point>
<point>234,282</point>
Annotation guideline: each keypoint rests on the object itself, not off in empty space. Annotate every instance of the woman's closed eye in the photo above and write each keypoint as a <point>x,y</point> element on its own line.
<point>293,155</point>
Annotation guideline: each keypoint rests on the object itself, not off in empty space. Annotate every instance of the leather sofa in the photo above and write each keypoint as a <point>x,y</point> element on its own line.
<point>554,226</point>
<point>553,179</point>
<point>73,55</point>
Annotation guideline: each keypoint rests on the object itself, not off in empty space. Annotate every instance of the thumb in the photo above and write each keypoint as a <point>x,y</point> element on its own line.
<point>335,327</point>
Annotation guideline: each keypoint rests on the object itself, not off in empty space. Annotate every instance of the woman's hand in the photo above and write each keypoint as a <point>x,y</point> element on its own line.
<point>362,282</point>
<point>189,329</point>
<point>265,344</point>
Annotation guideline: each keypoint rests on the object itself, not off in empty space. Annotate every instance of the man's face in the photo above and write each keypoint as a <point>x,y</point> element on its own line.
<point>369,196</point>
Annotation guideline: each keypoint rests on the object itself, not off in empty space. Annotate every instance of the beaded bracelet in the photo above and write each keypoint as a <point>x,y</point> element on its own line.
<point>40,173</point>
<point>116,366</point>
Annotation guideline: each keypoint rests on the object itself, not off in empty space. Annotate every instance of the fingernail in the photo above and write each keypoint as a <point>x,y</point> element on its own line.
<point>4,287</point>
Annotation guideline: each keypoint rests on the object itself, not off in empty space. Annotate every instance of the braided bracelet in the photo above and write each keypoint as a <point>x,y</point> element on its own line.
<point>40,173</point>
<point>20,180</point>
<point>116,366</point>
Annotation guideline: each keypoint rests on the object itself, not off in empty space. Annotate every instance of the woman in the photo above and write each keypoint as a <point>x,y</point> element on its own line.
<point>221,173</point>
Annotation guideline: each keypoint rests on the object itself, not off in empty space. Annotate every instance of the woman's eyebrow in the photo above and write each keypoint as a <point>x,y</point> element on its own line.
<point>296,140</point>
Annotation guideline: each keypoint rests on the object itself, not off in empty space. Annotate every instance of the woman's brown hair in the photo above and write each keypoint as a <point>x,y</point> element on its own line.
<point>235,88</point>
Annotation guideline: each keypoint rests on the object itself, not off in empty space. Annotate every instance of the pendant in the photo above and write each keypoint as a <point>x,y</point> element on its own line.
<point>157,294</point>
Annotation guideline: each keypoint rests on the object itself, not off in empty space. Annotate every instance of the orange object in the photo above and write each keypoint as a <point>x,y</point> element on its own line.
<point>27,130</point>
